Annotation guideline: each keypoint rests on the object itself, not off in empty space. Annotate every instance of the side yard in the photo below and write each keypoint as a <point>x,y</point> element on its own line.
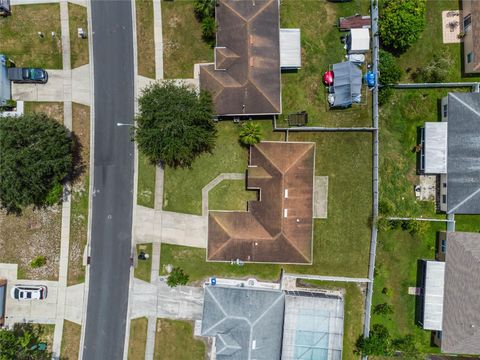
<point>20,40</point>
<point>80,190</point>
<point>174,340</point>
<point>321,47</point>
<point>398,256</point>
<point>145,38</point>
<point>182,40</point>
<point>77,18</point>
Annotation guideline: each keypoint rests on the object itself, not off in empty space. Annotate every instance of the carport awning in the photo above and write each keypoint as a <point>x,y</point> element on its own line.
<point>347,83</point>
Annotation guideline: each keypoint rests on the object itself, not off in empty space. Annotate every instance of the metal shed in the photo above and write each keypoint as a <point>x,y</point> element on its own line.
<point>358,42</point>
<point>347,84</point>
<point>5,7</point>
<point>435,147</point>
<point>290,49</point>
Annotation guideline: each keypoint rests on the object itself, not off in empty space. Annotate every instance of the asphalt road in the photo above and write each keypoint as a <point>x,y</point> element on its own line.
<point>113,181</point>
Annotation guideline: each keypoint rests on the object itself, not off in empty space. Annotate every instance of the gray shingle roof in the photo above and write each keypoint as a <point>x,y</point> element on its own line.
<point>463,160</point>
<point>247,323</point>
<point>461,307</point>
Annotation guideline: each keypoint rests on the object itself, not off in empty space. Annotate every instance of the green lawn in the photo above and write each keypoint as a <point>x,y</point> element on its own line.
<point>145,38</point>
<point>399,122</point>
<point>321,47</point>
<point>470,223</point>
<point>182,40</point>
<point>398,253</point>
<point>183,186</point>
<point>77,17</point>
<point>20,40</point>
<point>431,42</point>
<point>230,195</point>
<point>146,182</point>
<point>138,339</point>
<point>52,108</point>
<point>174,340</point>
<point>341,242</point>
<point>353,313</point>
<point>144,267</point>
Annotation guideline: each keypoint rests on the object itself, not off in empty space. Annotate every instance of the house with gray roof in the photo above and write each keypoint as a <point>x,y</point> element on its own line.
<point>451,149</point>
<point>250,323</point>
<point>451,295</point>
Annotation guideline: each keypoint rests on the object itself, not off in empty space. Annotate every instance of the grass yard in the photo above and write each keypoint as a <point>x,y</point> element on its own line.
<point>144,267</point>
<point>431,43</point>
<point>193,262</point>
<point>182,40</point>
<point>321,47</point>
<point>77,17</point>
<point>145,38</point>
<point>174,340</point>
<point>398,253</point>
<point>80,191</point>
<point>230,195</point>
<point>341,242</point>
<point>146,182</point>
<point>70,340</point>
<point>470,223</point>
<point>399,122</point>
<point>20,41</point>
<point>183,186</point>
<point>354,300</point>
<point>52,109</point>
<point>138,339</point>
<point>36,232</point>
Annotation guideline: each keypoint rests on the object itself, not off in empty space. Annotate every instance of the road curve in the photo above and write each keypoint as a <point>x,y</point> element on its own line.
<point>113,180</point>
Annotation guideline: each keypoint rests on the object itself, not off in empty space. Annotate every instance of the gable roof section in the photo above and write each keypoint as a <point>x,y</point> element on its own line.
<point>245,79</point>
<point>461,315</point>
<point>278,227</point>
<point>247,323</point>
<point>463,159</point>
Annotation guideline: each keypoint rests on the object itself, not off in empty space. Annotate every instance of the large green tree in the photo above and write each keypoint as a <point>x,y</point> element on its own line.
<point>35,157</point>
<point>378,343</point>
<point>175,124</point>
<point>21,343</point>
<point>401,23</point>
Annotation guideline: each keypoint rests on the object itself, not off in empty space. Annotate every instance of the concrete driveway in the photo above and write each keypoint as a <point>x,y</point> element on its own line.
<point>63,85</point>
<point>159,300</point>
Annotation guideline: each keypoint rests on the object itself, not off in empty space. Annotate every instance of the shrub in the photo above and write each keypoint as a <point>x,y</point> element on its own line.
<point>383,309</point>
<point>401,23</point>
<point>204,9</point>
<point>378,343</point>
<point>177,277</point>
<point>55,195</point>
<point>384,94</point>
<point>36,156</point>
<point>250,133</point>
<point>209,28</point>
<point>436,71</point>
<point>175,124</point>
<point>39,261</point>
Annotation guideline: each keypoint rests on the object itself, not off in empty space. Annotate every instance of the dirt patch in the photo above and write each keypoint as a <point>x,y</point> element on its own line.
<point>79,210</point>
<point>70,340</point>
<point>51,109</point>
<point>36,232</point>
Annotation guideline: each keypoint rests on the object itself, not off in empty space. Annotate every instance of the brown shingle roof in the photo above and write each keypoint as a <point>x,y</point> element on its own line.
<point>475,13</point>
<point>461,307</point>
<point>263,233</point>
<point>246,76</point>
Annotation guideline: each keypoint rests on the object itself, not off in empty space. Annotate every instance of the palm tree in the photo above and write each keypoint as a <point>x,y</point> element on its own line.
<point>250,133</point>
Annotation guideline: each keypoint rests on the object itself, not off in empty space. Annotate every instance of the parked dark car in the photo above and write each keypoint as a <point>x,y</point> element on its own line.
<point>27,75</point>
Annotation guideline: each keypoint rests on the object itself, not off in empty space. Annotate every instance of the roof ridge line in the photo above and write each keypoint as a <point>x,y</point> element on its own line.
<point>464,201</point>
<point>299,158</point>
<point>293,245</point>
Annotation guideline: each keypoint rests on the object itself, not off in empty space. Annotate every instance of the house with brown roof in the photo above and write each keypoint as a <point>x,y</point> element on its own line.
<point>451,295</point>
<point>471,40</point>
<point>245,76</point>
<point>278,227</point>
